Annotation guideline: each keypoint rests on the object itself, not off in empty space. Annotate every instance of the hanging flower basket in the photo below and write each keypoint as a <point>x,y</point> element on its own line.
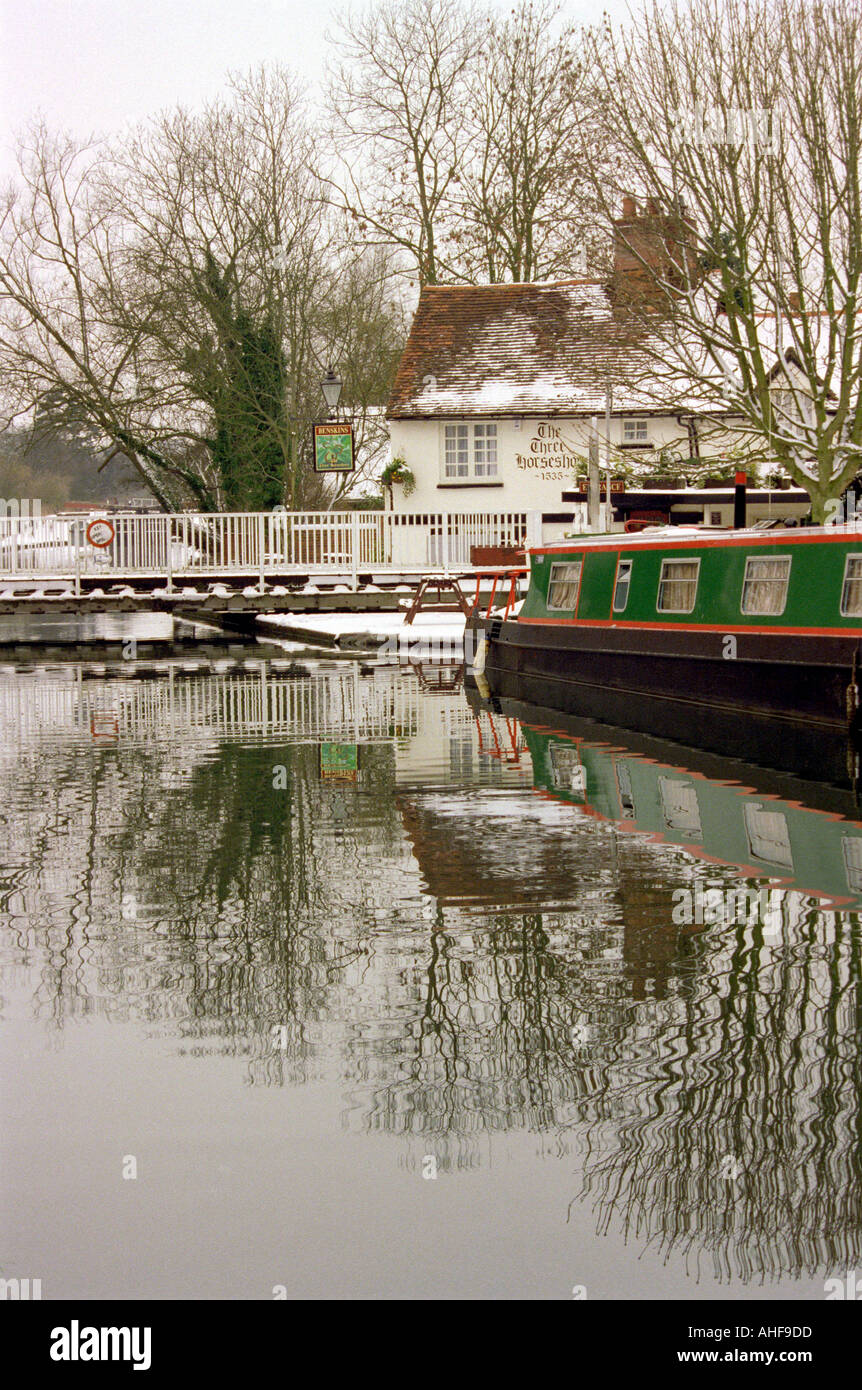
<point>397,473</point>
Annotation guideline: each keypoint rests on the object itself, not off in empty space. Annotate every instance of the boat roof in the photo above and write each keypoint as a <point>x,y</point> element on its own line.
<point>653,536</point>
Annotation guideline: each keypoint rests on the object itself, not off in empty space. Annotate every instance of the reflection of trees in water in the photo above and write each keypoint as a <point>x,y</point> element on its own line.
<point>741,1137</point>
<point>288,927</point>
<point>205,901</point>
<point>488,1048</point>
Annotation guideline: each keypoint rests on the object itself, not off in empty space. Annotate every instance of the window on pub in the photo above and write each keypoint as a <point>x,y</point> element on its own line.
<point>485,451</point>
<point>851,595</point>
<point>621,588</point>
<point>764,588</point>
<point>677,589</point>
<point>457,451</point>
<point>563,586</point>
<point>470,451</point>
<point>635,432</point>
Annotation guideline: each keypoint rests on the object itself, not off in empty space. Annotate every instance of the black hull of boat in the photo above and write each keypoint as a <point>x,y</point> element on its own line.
<point>790,714</point>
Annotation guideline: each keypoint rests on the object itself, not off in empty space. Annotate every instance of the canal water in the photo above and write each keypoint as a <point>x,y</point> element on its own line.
<point>332,981</point>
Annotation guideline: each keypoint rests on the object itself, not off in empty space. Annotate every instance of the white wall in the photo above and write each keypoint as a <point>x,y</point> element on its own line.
<point>537,460</point>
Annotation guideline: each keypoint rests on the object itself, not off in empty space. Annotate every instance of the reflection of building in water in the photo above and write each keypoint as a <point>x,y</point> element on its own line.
<point>476,934</point>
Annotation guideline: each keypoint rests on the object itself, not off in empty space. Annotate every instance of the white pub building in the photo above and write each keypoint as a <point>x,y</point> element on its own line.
<point>501,387</point>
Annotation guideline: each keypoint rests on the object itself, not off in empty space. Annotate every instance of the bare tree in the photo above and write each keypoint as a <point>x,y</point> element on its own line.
<point>177,297</point>
<point>58,347</point>
<point>398,101</point>
<point>525,211</point>
<point>739,122</point>
<point>228,242</point>
<point>364,329</point>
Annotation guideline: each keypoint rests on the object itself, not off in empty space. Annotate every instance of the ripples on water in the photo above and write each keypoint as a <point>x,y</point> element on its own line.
<point>458,926</point>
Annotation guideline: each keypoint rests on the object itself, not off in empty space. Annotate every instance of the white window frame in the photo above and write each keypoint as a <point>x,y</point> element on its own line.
<point>636,430</point>
<point>484,431</point>
<point>845,612</point>
<point>477,466</point>
<point>680,807</point>
<point>459,431</point>
<point>769,559</point>
<point>621,608</point>
<point>679,560</point>
<point>567,770</point>
<point>564,565</point>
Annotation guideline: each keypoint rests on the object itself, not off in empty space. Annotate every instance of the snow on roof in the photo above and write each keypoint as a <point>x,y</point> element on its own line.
<point>519,350</point>
<point>544,349</point>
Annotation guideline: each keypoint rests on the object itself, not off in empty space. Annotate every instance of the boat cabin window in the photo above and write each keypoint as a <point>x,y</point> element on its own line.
<point>621,588</point>
<point>764,588</point>
<point>851,594</point>
<point>563,585</point>
<point>677,589</point>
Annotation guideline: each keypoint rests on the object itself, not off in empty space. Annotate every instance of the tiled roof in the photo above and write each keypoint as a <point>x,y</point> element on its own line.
<point>520,349</point>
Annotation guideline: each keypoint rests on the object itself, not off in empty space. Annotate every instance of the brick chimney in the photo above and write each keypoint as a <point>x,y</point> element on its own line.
<point>660,240</point>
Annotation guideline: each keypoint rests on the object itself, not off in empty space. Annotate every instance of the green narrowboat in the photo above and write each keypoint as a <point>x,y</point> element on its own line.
<point>766,623</point>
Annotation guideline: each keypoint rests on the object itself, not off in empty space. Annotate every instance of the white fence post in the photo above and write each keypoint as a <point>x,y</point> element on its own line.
<point>534,529</point>
<point>445,526</point>
<point>169,555</point>
<point>261,520</point>
<point>354,550</point>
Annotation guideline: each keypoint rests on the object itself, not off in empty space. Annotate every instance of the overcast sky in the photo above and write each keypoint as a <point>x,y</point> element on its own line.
<point>93,65</point>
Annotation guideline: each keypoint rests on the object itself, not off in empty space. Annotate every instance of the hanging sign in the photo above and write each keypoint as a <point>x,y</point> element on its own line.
<point>333,448</point>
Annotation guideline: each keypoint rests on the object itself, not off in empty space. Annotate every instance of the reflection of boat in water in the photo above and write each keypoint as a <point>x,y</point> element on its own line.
<point>723,1119</point>
<point>720,812</point>
<point>804,748</point>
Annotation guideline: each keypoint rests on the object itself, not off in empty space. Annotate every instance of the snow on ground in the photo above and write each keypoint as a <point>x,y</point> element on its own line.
<point>386,624</point>
<point>387,631</point>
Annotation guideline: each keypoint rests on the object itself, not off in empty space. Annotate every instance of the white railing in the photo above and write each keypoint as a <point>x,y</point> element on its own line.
<point>256,544</point>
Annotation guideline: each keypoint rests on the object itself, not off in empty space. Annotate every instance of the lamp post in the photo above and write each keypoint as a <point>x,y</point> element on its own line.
<point>331,386</point>
<point>609,405</point>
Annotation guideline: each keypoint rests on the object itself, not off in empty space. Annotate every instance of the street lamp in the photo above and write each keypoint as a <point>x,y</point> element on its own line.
<point>331,387</point>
